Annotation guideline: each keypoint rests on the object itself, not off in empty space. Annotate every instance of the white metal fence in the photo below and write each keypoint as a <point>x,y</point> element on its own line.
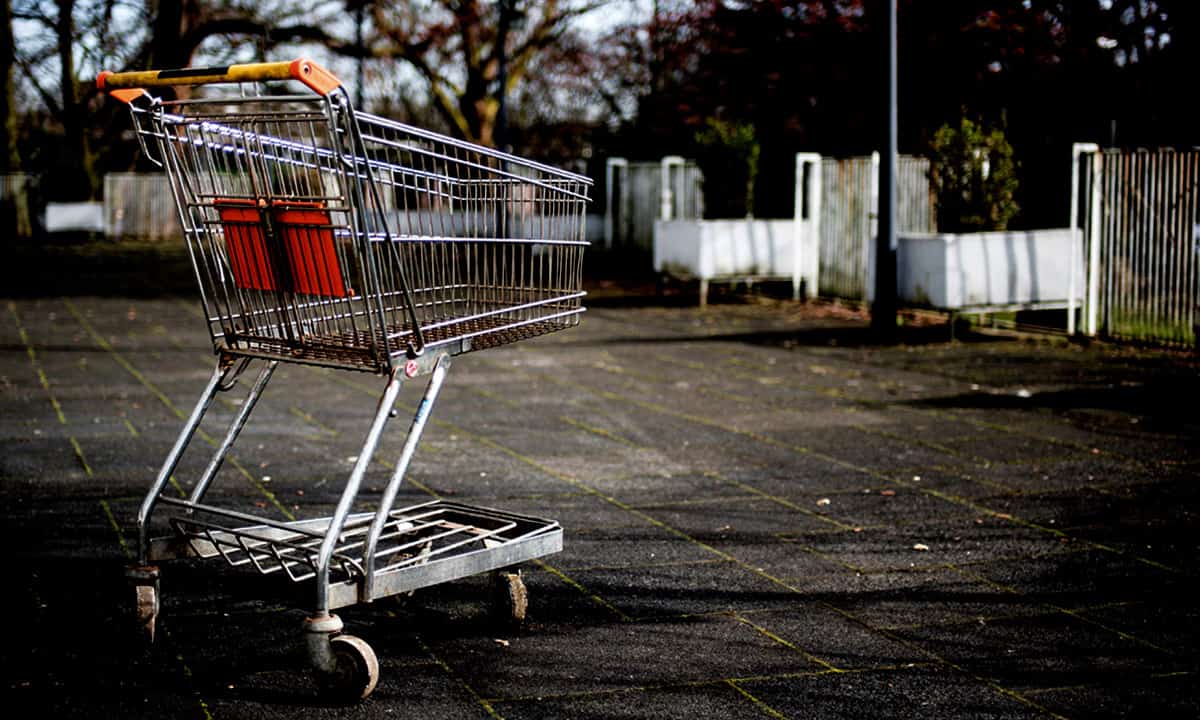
<point>139,205</point>
<point>849,217</point>
<point>849,197</point>
<point>635,199</point>
<point>848,222</point>
<point>1140,212</point>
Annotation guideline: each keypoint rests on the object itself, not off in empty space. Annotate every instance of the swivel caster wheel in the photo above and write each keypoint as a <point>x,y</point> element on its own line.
<point>356,669</point>
<point>511,599</point>
<point>146,599</point>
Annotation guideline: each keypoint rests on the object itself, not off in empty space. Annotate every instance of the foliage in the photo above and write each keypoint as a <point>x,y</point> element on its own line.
<point>727,153</point>
<point>974,177</point>
<point>808,75</point>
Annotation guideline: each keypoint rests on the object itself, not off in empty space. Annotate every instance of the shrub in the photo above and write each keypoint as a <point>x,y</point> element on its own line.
<point>727,153</point>
<point>974,177</point>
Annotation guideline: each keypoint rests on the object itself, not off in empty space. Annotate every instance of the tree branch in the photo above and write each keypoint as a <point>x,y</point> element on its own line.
<point>47,97</point>
<point>194,37</point>
<point>44,20</point>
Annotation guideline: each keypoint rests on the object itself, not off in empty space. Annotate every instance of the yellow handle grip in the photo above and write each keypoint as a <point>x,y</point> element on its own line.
<point>306,71</point>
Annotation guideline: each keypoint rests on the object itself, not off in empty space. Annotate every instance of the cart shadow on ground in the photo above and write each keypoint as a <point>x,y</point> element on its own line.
<point>234,637</point>
<point>268,668</point>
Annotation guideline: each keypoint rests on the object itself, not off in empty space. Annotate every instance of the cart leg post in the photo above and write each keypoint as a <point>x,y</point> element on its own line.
<point>382,412</point>
<point>436,379</point>
<point>169,465</point>
<point>235,428</point>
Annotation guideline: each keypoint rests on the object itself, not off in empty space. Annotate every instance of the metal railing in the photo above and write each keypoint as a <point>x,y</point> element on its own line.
<point>849,217</point>
<point>140,205</point>
<point>635,199</point>
<point>1140,211</point>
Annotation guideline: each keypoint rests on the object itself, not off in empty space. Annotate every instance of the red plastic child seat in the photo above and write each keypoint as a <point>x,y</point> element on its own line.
<point>309,256</point>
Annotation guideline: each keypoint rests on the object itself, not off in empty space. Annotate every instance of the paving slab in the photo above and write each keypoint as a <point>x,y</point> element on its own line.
<point>765,515</point>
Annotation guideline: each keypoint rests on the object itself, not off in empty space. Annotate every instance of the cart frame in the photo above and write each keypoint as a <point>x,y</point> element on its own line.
<point>324,236</point>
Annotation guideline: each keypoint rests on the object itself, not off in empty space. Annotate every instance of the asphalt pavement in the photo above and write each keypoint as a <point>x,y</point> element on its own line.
<point>765,515</point>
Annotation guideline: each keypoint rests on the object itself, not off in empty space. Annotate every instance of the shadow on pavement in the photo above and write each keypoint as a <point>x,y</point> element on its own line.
<point>848,337</point>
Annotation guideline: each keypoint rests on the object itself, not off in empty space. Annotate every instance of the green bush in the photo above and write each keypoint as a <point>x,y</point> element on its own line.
<point>727,153</point>
<point>974,177</point>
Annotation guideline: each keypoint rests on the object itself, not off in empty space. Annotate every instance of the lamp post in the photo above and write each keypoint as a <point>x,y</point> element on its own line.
<point>503,25</point>
<point>883,307</point>
<point>359,7</point>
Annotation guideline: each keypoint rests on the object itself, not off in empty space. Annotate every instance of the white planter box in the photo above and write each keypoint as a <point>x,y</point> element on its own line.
<point>988,270</point>
<point>732,250</point>
<point>75,217</point>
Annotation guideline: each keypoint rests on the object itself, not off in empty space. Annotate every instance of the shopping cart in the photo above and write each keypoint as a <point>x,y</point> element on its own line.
<point>330,237</point>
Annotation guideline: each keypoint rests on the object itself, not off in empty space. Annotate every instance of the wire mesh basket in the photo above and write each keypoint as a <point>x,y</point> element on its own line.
<point>324,235</point>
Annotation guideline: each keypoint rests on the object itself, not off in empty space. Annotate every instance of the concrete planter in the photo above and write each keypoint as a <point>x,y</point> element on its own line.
<point>990,270</point>
<point>735,251</point>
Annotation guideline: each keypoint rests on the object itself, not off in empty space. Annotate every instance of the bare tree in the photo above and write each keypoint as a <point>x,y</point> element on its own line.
<point>469,56</point>
<point>56,39</point>
<point>183,29</point>
<point>466,56</point>
<point>62,45</point>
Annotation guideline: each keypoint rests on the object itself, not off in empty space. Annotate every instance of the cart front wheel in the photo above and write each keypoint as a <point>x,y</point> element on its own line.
<point>512,599</point>
<point>356,671</point>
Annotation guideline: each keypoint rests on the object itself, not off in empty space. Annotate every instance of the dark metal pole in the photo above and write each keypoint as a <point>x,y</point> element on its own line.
<point>503,24</point>
<point>883,308</point>
<point>362,52</point>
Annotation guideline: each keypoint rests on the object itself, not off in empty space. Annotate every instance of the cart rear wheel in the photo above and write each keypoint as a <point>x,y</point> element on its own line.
<point>146,609</point>
<point>356,671</point>
<point>511,598</point>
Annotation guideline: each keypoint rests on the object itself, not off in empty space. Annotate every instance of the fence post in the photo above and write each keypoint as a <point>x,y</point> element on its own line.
<point>107,196</point>
<point>1093,282</point>
<point>872,229</point>
<point>806,224</point>
<point>667,194</point>
<point>1077,150</point>
<point>19,191</point>
<point>610,172</point>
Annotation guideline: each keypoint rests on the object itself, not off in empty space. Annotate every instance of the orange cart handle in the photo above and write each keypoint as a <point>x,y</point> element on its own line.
<point>306,71</point>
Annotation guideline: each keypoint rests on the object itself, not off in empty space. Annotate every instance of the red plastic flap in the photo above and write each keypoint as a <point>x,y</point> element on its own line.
<point>246,243</point>
<point>307,233</point>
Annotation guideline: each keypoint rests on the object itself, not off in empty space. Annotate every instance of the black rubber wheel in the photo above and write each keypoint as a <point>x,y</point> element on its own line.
<point>356,673</point>
<point>511,598</point>
<point>146,611</point>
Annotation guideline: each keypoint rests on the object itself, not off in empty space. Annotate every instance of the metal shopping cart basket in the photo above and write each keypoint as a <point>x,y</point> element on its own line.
<point>331,237</point>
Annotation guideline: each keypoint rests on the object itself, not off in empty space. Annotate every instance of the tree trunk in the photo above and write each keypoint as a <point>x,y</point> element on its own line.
<point>10,159</point>
<point>82,183</point>
<point>166,51</point>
